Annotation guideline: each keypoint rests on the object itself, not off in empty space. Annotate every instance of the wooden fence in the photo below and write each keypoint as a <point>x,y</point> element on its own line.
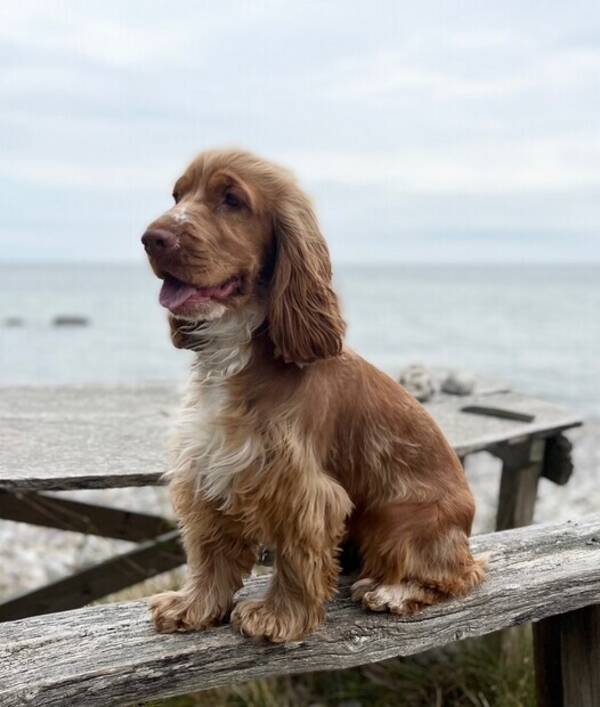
<point>110,655</point>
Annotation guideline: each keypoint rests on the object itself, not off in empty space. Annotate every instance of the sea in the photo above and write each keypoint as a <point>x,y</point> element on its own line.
<point>534,327</point>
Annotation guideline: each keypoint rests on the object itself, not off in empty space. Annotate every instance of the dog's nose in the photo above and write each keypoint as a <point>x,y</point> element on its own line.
<point>158,241</point>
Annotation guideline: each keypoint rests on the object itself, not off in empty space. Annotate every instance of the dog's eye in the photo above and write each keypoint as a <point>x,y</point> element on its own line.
<point>231,200</point>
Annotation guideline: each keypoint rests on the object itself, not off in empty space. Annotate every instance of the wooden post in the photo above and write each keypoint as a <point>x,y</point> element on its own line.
<point>567,659</point>
<point>521,469</point>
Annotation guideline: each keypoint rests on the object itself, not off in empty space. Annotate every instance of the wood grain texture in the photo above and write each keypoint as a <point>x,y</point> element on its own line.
<point>522,466</point>
<point>77,437</point>
<point>113,436</point>
<point>567,659</point>
<point>580,659</point>
<point>110,655</point>
<point>547,662</point>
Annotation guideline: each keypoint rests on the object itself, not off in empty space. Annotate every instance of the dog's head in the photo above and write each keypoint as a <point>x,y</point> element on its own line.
<point>242,230</point>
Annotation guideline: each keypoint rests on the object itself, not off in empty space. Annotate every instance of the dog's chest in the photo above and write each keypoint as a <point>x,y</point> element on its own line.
<point>212,441</point>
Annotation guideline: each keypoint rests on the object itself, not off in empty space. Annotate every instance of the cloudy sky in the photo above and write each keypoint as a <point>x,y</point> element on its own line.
<point>424,131</point>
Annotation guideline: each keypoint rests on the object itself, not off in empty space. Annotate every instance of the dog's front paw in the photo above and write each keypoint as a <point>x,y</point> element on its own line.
<point>259,619</point>
<point>404,598</point>
<point>183,611</point>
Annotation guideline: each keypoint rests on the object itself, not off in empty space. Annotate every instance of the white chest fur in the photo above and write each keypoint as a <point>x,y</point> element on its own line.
<point>211,441</point>
<point>204,445</point>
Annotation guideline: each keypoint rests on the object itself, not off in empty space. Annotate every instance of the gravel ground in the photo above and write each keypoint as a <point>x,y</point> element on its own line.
<point>31,556</point>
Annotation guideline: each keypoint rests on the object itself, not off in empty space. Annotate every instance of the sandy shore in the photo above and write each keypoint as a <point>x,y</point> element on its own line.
<point>32,556</point>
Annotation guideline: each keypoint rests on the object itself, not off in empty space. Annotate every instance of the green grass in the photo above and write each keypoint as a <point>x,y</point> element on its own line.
<point>466,675</point>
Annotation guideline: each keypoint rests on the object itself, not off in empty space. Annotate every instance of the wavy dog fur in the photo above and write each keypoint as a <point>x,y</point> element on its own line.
<point>287,438</point>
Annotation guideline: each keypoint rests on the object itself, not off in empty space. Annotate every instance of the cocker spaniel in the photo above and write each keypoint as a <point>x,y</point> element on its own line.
<point>286,438</point>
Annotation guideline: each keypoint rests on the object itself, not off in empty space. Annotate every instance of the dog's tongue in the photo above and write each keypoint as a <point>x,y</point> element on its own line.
<point>174,293</point>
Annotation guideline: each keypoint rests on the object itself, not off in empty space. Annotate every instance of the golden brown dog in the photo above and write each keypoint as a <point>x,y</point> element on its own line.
<point>286,438</point>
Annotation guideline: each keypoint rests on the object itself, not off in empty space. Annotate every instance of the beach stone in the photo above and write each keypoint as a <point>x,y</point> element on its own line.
<point>459,383</point>
<point>70,320</point>
<point>418,381</point>
<point>13,322</point>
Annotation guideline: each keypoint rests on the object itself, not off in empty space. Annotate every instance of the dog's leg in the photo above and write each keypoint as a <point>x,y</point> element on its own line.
<point>218,558</point>
<point>309,530</point>
<point>414,555</point>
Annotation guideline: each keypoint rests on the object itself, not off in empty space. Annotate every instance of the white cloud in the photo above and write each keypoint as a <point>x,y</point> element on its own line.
<point>477,168</point>
<point>505,167</point>
<point>472,118</point>
<point>90,177</point>
<point>460,67</point>
<point>86,34</point>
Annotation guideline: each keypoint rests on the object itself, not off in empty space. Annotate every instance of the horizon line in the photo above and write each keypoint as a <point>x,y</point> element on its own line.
<point>335,262</point>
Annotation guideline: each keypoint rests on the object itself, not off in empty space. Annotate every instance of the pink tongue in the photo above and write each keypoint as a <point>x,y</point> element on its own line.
<point>174,293</point>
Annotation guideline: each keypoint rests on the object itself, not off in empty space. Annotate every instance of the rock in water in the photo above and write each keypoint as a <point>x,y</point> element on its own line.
<point>70,320</point>
<point>13,322</point>
<point>418,381</point>
<point>459,383</point>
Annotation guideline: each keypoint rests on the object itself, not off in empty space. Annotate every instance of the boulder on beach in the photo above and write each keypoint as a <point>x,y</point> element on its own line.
<point>70,320</point>
<point>418,381</point>
<point>459,383</point>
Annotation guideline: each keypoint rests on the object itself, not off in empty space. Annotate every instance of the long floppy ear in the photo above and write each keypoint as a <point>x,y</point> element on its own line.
<point>305,323</point>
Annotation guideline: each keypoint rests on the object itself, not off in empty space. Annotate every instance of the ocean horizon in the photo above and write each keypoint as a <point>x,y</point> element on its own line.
<point>535,327</point>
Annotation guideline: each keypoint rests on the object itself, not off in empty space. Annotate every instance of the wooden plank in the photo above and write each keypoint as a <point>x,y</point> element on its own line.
<point>146,560</point>
<point>516,500</point>
<point>522,466</point>
<point>469,432</point>
<point>547,660</point>
<point>110,654</point>
<point>567,659</point>
<point>114,436</point>
<point>76,516</point>
<point>580,656</point>
<point>521,470</point>
<point>73,437</point>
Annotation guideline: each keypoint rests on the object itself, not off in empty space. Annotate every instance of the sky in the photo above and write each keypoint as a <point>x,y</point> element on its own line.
<point>425,132</point>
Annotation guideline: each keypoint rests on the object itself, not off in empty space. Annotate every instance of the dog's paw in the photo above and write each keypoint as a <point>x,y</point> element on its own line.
<point>360,588</point>
<point>183,611</point>
<point>257,619</point>
<point>404,598</point>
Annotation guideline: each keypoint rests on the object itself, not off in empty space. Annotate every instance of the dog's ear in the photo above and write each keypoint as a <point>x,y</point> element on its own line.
<point>304,318</point>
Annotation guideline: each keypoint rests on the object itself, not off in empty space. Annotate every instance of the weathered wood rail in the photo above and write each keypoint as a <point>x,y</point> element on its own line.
<point>94,437</point>
<point>83,437</point>
<point>110,655</point>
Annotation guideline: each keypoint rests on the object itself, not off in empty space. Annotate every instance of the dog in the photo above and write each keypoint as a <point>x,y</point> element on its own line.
<point>286,438</point>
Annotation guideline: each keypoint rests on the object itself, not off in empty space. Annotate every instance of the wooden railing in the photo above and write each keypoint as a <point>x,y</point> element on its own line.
<point>110,654</point>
